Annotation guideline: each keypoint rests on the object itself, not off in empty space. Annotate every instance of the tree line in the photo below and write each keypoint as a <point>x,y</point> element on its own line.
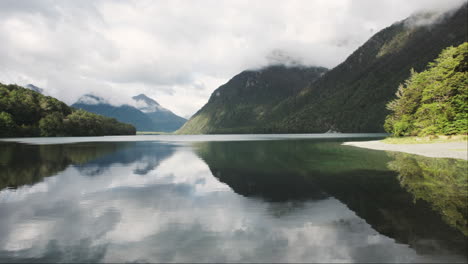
<point>434,101</point>
<point>26,113</point>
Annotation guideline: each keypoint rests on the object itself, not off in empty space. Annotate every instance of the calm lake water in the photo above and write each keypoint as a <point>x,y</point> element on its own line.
<point>253,198</point>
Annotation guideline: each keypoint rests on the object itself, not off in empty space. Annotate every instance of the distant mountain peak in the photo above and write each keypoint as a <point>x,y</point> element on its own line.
<point>147,104</point>
<point>91,99</point>
<point>34,88</point>
<point>146,99</point>
<point>143,112</point>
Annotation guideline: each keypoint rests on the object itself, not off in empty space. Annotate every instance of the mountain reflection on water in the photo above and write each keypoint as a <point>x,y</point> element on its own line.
<point>239,201</point>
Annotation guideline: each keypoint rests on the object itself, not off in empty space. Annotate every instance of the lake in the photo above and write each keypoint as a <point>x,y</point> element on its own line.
<point>227,198</point>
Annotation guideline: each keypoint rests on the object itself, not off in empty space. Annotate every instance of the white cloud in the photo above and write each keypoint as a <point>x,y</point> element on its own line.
<point>180,213</point>
<point>178,52</point>
<point>148,216</point>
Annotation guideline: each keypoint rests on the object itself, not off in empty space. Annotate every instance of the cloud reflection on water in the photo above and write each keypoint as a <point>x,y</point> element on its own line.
<point>178,212</point>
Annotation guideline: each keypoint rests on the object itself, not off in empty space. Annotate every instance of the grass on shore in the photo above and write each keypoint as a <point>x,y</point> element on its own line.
<point>425,140</point>
<point>153,133</point>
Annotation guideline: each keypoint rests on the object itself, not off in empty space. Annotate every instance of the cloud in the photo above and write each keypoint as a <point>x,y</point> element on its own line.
<point>178,213</point>
<point>175,213</point>
<point>178,52</point>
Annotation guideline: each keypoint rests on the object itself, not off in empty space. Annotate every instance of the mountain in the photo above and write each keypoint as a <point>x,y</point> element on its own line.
<point>148,115</point>
<point>352,97</point>
<point>123,113</point>
<point>34,88</point>
<point>147,105</point>
<point>90,99</point>
<point>162,118</point>
<point>26,113</point>
<point>243,103</point>
<point>349,98</point>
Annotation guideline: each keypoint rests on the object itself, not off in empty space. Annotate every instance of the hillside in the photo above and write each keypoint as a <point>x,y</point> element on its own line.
<point>26,113</point>
<point>353,96</point>
<point>148,115</point>
<point>242,104</point>
<point>163,119</point>
<point>349,98</point>
<point>123,113</point>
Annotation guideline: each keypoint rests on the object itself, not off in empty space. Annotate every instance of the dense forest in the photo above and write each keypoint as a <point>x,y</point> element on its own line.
<point>434,101</point>
<point>26,113</point>
<point>349,98</point>
<point>240,105</point>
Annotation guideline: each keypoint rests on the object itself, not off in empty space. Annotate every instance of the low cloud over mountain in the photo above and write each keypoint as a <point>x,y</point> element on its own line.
<point>178,52</point>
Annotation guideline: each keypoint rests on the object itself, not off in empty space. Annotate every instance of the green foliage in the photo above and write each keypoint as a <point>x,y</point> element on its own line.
<point>398,41</point>
<point>389,199</point>
<point>83,123</point>
<point>7,125</point>
<point>51,125</point>
<point>22,164</point>
<point>24,112</point>
<point>425,140</point>
<point>434,101</point>
<point>441,182</point>
<point>243,104</point>
<point>349,98</point>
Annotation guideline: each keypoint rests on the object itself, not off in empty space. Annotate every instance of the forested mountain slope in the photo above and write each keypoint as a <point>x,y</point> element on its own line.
<point>26,113</point>
<point>352,97</point>
<point>162,118</point>
<point>242,104</point>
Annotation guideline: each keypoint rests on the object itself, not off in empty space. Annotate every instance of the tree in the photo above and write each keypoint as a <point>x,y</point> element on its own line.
<point>52,125</point>
<point>434,101</point>
<point>7,125</point>
<point>24,112</point>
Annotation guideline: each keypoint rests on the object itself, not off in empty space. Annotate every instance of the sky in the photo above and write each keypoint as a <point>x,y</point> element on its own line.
<point>178,52</point>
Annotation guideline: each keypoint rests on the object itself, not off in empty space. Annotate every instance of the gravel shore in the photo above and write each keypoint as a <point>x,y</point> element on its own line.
<point>456,150</point>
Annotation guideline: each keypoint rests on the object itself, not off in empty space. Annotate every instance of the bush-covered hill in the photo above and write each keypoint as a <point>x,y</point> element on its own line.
<point>242,104</point>
<point>352,97</point>
<point>26,113</point>
<point>434,101</point>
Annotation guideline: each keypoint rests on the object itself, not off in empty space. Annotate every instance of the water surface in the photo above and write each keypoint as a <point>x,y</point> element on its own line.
<point>231,198</point>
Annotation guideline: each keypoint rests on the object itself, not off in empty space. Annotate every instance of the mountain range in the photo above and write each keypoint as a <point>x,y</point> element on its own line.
<point>146,115</point>
<point>351,97</point>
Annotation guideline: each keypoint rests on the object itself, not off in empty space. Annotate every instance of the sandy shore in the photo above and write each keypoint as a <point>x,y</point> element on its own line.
<point>456,150</point>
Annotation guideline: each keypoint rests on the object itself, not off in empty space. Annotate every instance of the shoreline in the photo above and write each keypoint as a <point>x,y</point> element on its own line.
<point>454,150</point>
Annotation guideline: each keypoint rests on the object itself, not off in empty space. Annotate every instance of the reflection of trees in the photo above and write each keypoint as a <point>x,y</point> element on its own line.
<point>22,164</point>
<point>441,182</point>
<point>285,170</point>
<point>359,178</point>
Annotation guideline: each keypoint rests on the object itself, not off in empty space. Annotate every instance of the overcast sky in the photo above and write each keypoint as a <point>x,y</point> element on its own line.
<point>178,52</point>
